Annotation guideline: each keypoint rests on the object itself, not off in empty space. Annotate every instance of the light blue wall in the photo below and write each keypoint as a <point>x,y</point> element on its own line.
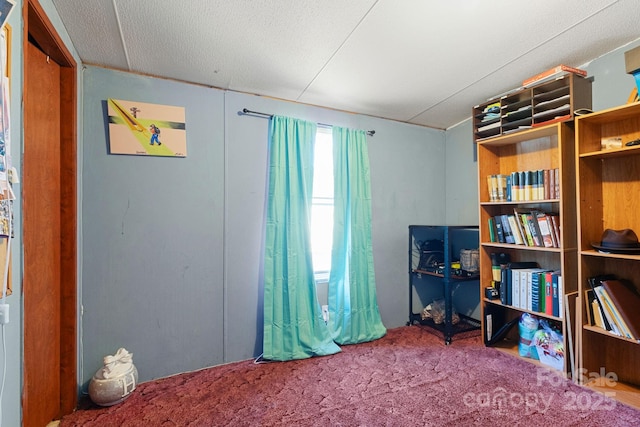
<point>611,85</point>
<point>152,235</point>
<point>172,246</point>
<point>461,182</point>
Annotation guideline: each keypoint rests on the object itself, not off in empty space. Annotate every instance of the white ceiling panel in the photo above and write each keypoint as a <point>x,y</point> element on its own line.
<point>93,28</point>
<point>421,61</point>
<point>242,45</point>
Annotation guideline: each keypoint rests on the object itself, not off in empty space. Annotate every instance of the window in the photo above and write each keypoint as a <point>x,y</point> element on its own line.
<point>322,205</point>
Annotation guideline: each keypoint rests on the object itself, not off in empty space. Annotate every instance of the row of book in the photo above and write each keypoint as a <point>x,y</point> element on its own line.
<point>526,286</point>
<point>531,185</point>
<point>526,227</point>
<point>613,304</point>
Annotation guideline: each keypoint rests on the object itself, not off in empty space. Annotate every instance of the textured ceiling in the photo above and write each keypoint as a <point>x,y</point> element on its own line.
<point>419,61</point>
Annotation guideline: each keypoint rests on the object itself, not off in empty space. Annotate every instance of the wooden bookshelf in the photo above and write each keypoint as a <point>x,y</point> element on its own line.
<point>545,147</point>
<point>608,182</point>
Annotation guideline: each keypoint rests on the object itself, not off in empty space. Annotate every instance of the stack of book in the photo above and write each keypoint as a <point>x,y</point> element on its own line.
<point>526,286</point>
<point>531,185</point>
<point>526,227</point>
<point>612,305</point>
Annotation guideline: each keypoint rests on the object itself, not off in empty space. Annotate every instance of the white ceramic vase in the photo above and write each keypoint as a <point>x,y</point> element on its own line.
<point>115,381</point>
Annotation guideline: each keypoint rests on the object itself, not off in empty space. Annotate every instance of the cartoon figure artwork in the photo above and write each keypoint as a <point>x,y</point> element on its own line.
<point>155,134</point>
<point>143,129</point>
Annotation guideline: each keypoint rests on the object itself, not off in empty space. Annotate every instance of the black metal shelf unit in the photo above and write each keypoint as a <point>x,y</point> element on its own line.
<point>434,253</point>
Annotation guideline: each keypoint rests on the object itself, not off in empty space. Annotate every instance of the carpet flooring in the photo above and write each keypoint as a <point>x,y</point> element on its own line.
<point>408,377</point>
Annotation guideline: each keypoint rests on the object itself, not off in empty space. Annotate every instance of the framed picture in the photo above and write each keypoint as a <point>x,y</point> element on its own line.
<point>6,6</point>
<point>143,129</point>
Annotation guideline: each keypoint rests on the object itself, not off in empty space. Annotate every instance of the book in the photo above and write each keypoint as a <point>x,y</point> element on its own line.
<point>627,301</point>
<point>525,288</point>
<point>492,229</point>
<point>617,318</point>
<point>546,188</point>
<point>548,293</point>
<point>515,186</point>
<point>545,231</point>
<point>588,302</point>
<point>517,233</point>
<point>528,185</point>
<point>522,191</point>
<point>535,292</point>
<point>555,71</point>
<point>502,187</point>
<point>608,312</point>
<point>555,298</point>
<point>506,229</point>
<point>593,282</point>
<point>490,189</point>
<point>526,231</point>
<point>597,314</point>
<point>533,289</point>
<point>532,222</point>
<point>554,237</point>
<point>556,181</point>
<point>560,296</point>
<point>507,292</point>
<point>555,221</point>
<point>504,279</point>
<point>540,184</point>
<point>494,188</point>
<point>499,230</point>
<point>515,287</point>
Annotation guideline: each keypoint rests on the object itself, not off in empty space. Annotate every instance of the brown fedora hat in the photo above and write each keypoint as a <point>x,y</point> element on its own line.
<point>618,242</point>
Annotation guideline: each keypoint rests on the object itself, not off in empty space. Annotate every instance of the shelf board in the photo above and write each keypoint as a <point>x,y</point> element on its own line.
<point>612,152</point>
<point>523,310</point>
<point>511,349</point>
<point>519,202</point>
<point>525,135</point>
<point>523,247</point>
<point>628,394</point>
<point>619,113</point>
<point>452,277</point>
<point>601,331</point>
<point>594,253</point>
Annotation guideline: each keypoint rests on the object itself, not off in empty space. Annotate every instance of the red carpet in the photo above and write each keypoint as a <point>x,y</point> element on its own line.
<point>408,377</point>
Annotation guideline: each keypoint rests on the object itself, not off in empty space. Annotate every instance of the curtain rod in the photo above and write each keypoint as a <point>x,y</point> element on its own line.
<point>247,111</point>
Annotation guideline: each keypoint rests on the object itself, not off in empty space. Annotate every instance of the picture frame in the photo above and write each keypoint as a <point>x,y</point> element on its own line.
<point>6,6</point>
<point>145,129</point>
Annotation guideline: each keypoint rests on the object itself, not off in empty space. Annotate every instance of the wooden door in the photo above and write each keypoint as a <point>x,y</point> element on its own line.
<point>41,201</point>
<point>49,224</point>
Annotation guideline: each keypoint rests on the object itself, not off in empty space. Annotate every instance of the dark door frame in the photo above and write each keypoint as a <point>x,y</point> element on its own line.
<point>38,26</point>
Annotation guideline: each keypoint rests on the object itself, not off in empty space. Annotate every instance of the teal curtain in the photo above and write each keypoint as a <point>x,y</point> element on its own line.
<point>353,308</point>
<point>293,323</point>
